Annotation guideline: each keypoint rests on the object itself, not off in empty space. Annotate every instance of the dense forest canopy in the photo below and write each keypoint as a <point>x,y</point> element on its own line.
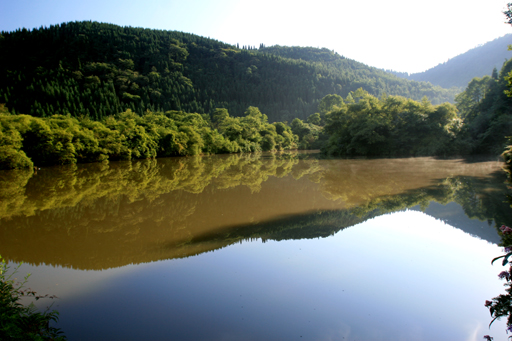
<point>97,69</point>
<point>486,110</point>
<point>391,125</point>
<point>27,140</point>
<point>88,91</point>
<point>364,125</point>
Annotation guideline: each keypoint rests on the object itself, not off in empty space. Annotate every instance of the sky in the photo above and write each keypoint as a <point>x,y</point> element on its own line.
<point>406,36</point>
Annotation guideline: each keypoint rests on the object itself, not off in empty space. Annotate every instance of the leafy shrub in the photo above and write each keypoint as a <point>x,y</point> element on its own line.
<point>19,322</point>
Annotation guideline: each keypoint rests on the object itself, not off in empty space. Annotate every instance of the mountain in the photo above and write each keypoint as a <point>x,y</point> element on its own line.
<point>460,70</point>
<point>96,70</point>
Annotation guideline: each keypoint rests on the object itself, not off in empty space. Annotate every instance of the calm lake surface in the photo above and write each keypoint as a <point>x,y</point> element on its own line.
<point>261,247</point>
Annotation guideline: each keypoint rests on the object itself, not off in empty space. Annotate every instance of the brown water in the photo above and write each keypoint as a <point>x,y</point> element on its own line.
<point>139,221</point>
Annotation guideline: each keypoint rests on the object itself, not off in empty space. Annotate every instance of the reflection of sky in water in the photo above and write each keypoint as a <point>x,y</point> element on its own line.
<point>401,276</point>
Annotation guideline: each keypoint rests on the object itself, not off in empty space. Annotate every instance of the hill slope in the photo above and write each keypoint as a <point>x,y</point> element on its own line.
<point>97,69</point>
<point>459,70</point>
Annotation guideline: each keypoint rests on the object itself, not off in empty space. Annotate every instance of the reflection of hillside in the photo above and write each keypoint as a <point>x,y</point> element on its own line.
<point>100,216</point>
<point>472,194</point>
<point>453,214</point>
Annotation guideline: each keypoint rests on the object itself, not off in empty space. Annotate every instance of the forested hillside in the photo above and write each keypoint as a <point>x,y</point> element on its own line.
<point>364,125</point>
<point>486,108</point>
<point>87,91</point>
<point>458,71</point>
<point>96,70</point>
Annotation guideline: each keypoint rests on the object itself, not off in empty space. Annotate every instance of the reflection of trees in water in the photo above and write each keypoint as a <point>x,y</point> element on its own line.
<point>24,194</point>
<point>469,192</point>
<point>358,181</point>
<point>98,216</point>
<point>390,185</point>
<point>130,206</point>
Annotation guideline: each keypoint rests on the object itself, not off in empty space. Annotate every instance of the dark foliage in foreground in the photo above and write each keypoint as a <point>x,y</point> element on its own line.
<point>20,322</point>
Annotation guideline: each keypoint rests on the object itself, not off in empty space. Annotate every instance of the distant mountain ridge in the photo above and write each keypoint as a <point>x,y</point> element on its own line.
<point>460,70</point>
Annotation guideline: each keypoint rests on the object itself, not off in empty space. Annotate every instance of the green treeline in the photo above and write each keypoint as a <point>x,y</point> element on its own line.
<point>364,125</point>
<point>97,91</point>
<point>98,70</point>
<point>391,125</point>
<point>486,109</point>
<point>26,141</point>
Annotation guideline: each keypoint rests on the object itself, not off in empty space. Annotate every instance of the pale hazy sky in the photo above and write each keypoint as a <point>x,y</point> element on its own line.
<point>409,36</point>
